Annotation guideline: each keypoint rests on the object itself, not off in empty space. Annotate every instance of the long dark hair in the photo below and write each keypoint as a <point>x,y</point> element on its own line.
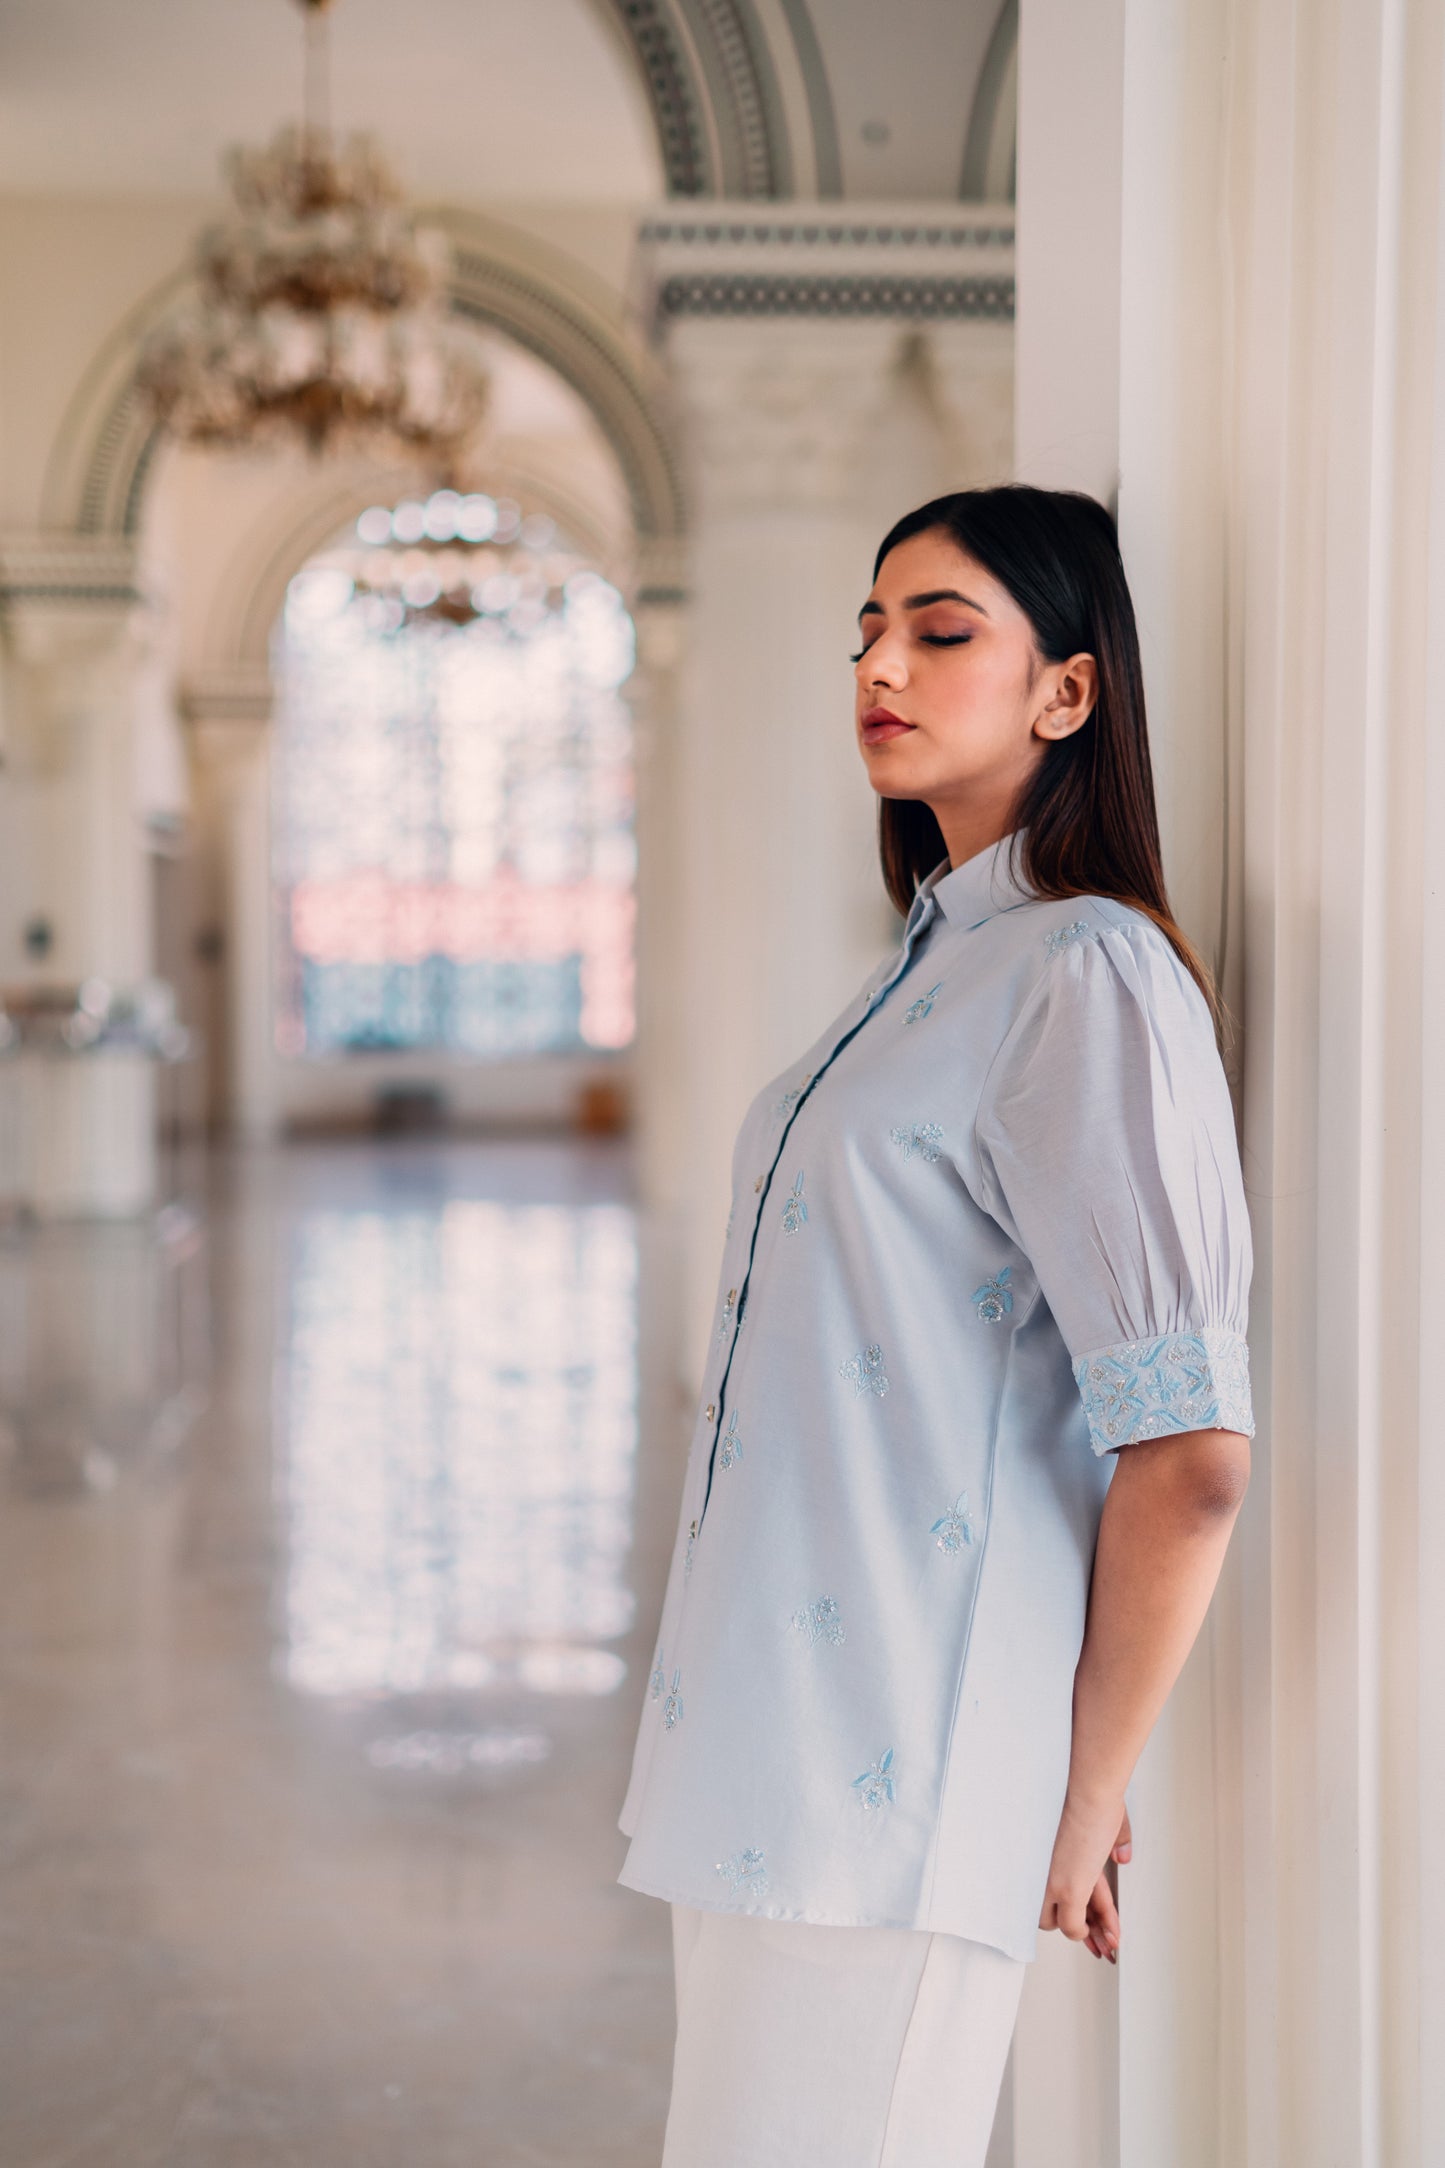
<point>1090,826</point>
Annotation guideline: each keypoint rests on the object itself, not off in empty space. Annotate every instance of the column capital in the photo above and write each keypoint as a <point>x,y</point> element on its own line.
<point>227,714</point>
<point>74,621</point>
<point>785,328</point>
<point>777,410</point>
<point>63,595</point>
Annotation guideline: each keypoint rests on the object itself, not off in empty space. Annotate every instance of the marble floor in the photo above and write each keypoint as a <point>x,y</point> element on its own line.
<point>317,1705</point>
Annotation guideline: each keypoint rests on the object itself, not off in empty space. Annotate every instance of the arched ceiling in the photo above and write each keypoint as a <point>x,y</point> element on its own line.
<point>485,101</point>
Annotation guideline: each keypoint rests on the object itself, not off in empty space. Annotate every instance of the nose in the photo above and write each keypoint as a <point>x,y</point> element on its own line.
<point>883,665</point>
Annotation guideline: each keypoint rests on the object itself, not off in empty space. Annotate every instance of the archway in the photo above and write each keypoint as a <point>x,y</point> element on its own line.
<point>102,465</point>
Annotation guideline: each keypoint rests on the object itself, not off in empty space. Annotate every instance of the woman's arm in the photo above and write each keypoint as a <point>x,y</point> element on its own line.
<point>1162,1538</point>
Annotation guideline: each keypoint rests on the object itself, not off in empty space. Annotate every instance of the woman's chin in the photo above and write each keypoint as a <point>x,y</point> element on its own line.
<point>895,776</point>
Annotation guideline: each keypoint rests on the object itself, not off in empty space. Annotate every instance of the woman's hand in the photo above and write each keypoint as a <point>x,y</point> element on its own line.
<point>1079,1899</point>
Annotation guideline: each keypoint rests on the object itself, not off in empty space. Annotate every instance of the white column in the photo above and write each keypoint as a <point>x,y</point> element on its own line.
<point>77,859</point>
<point>229,718</point>
<point>1279,261</point>
<point>659,612</point>
<point>782,906</point>
<point>833,370</point>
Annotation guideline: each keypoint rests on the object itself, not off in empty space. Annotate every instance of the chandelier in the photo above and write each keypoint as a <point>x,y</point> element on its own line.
<point>321,313</point>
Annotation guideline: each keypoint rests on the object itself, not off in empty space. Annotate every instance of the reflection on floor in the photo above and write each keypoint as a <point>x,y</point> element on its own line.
<point>316,1727</point>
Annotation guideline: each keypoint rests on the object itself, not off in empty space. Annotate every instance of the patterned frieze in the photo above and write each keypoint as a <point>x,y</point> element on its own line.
<point>916,266</point>
<point>67,570</point>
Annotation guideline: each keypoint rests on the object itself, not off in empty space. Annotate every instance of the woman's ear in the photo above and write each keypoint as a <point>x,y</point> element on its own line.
<point>1072,700</point>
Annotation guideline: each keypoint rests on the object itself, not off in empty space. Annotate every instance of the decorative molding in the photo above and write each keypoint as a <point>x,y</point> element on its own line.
<point>243,695</point>
<point>85,571</point>
<point>616,382</point>
<point>664,64</point>
<point>748,114</point>
<point>739,227</point>
<point>660,574</point>
<point>917,299</point>
<point>823,121</point>
<point>911,265</point>
<point>713,89</point>
<point>990,154</point>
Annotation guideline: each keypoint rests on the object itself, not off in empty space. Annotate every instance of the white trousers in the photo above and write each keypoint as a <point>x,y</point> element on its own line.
<point>834,2047</point>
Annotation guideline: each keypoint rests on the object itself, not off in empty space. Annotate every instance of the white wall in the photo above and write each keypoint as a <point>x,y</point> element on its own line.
<point>1267,202</point>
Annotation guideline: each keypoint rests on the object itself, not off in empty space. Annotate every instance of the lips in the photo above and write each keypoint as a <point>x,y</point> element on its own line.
<point>881,724</point>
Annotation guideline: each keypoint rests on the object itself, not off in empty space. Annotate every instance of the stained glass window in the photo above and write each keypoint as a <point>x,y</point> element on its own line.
<point>454,854</point>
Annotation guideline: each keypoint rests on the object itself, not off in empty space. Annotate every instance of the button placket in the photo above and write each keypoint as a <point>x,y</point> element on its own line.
<point>762,1187</point>
<point>717,1410</point>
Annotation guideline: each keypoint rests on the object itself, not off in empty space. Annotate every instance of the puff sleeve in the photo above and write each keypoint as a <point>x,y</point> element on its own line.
<point>1107,1151</point>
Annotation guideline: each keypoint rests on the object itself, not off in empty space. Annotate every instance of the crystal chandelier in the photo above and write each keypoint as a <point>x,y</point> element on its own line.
<point>321,313</point>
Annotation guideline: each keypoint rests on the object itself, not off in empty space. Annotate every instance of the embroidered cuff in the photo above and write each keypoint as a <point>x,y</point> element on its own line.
<point>1156,1388</point>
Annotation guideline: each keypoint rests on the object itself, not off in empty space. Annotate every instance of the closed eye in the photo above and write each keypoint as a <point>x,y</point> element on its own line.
<point>929,639</point>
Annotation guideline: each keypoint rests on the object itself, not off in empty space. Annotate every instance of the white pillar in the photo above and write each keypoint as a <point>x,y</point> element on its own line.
<point>229,717</point>
<point>815,413</point>
<point>659,612</point>
<point>77,859</point>
<point>782,911</point>
<point>1279,265</point>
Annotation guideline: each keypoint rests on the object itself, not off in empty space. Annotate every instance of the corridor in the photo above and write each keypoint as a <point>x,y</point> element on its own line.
<point>317,1720</point>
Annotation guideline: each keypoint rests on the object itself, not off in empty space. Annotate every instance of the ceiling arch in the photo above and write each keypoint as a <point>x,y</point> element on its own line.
<point>718,101</point>
<point>102,464</point>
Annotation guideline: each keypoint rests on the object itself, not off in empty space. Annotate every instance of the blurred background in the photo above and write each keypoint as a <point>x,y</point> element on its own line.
<point>442,452</point>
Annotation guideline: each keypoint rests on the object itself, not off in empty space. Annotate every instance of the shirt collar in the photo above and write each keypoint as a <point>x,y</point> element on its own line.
<point>975,890</point>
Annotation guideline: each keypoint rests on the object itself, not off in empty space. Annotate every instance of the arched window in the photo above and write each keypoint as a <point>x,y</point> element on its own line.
<point>454,857</point>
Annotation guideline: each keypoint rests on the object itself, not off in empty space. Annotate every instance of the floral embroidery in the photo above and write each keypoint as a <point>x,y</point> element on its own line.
<point>672,1707</point>
<point>730,1446</point>
<point>922,1137</point>
<point>727,1313</point>
<point>745,1873</point>
<point>994,1297</point>
<point>795,1211</point>
<point>727,1231</point>
<point>1154,1388</point>
<point>954,1528</point>
<point>875,1787</point>
<point>865,1372</point>
<point>923,1006</point>
<point>820,1622</point>
<point>659,1677</point>
<point>1061,936</point>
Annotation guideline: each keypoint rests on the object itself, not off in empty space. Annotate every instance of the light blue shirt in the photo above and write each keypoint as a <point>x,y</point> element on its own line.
<point>992,1219</point>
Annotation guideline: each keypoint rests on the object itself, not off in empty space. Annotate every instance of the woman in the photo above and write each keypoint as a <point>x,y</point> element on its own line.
<point>975,1423</point>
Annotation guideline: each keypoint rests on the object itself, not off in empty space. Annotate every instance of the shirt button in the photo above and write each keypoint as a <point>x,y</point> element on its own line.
<point>757,1185</point>
<point>692,1530</point>
<point>711,1410</point>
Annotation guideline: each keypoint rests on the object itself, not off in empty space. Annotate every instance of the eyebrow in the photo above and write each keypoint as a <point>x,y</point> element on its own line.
<point>920,602</point>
